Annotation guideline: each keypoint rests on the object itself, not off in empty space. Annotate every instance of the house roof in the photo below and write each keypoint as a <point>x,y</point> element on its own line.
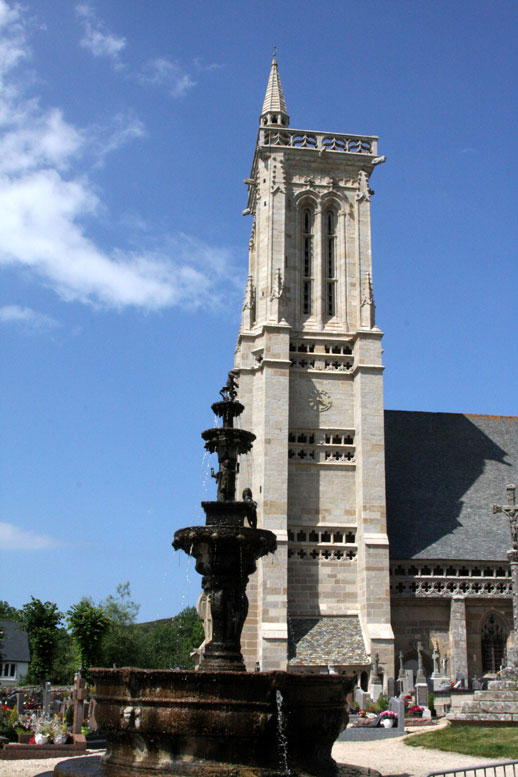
<point>444,472</point>
<point>14,645</point>
<point>327,640</point>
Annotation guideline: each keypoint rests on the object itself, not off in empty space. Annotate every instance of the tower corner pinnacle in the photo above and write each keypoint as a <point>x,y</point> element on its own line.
<point>274,110</point>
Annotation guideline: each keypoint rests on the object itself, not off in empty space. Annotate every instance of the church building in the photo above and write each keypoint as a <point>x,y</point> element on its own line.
<point>384,522</point>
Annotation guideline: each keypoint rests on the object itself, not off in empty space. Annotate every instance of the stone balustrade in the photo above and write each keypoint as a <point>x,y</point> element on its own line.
<point>320,141</point>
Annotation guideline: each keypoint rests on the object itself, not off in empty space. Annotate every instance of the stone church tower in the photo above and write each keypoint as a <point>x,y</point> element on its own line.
<point>309,358</point>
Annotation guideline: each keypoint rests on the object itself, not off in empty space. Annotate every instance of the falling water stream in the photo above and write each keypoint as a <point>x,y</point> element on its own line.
<point>281,733</point>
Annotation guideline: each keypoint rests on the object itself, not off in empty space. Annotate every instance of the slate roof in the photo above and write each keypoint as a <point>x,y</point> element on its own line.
<point>14,645</point>
<point>328,640</point>
<point>444,471</point>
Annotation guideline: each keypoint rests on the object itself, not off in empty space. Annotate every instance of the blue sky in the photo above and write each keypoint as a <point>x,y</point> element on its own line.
<point>126,130</point>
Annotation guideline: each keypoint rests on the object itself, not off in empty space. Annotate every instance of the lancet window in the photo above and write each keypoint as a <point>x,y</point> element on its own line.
<point>330,261</point>
<point>307,261</point>
<point>494,637</point>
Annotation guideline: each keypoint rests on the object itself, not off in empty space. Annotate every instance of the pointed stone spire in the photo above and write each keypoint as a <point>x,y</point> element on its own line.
<point>274,106</point>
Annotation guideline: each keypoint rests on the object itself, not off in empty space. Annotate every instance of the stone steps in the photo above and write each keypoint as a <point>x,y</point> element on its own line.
<point>483,717</point>
<point>497,705</point>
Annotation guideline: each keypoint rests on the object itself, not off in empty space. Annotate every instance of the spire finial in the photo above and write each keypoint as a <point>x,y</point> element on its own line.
<point>274,106</point>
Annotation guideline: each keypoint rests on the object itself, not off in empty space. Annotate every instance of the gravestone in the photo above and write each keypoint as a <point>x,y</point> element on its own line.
<point>391,687</point>
<point>421,694</point>
<point>55,707</point>
<point>409,682</point>
<point>91,715</point>
<point>360,697</point>
<point>79,697</point>
<point>438,679</point>
<point>398,706</point>
<point>46,698</point>
<point>20,703</point>
<point>376,683</point>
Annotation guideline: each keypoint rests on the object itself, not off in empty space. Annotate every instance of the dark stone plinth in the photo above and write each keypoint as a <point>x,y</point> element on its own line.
<point>225,513</point>
<point>222,724</point>
<point>92,767</point>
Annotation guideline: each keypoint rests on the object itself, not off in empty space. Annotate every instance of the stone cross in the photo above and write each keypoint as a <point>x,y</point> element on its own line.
<point>401,675</point>
<point>511,511</point>
<point>420,677</point>
<point>376,669</point>
<point>79,697</point>
<point>46,698</point>
<point>436,657</point>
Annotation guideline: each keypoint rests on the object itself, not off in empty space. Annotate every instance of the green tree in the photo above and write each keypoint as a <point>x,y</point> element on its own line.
<point>66,659</point>
<point>88,625</point>
<point>8,613</point>
<point>122,644</point>
<point>41,621</point>
<point>169,645</point>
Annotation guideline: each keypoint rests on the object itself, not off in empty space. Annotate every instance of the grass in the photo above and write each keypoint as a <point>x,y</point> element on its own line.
<point>488,742</point>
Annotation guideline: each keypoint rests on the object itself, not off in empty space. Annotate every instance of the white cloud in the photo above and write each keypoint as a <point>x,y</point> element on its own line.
<point>163,72</point>
<point>96,38</point>
<point>31,319</point>
<point>14,538</point>
<point>45,201</point>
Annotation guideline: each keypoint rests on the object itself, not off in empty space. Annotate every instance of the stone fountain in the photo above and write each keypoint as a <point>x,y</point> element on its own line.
<point>218,721</point>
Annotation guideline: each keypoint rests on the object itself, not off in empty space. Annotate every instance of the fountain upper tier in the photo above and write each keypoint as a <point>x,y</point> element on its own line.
<point>226,551</point>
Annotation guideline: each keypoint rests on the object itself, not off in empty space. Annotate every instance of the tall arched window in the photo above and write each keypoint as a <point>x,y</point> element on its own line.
<point>330,261</point>
<point>307,261</point>
<point>493,638</point>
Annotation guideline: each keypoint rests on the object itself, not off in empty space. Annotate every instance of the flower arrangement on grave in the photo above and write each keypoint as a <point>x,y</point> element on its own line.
<point>58,730</point>
<point>42,730</point>
<point>388,715</point>
<point>24,723</point>
<point>416,711</point>
<point>362,714</point>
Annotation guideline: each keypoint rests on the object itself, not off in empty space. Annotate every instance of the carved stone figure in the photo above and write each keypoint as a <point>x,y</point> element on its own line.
<point>251,508</point>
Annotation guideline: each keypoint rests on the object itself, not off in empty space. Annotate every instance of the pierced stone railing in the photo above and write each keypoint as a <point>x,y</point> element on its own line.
<point>436,579</point>
<point>331,544</point>
<point>320,141</point>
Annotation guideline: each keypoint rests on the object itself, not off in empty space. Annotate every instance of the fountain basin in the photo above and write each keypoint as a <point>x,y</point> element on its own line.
<point>222,724</point>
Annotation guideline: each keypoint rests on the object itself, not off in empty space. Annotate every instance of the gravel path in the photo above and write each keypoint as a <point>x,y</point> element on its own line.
<point>391,757</point>
<point>41,767</point>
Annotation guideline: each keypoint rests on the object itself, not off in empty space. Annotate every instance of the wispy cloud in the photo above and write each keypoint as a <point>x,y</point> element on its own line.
<point>122,129</point>
<point>163,72</point>
<point>97,38</point>
<point>46,198</point>
<point>200,65</point>
<point>14,538</point>
<point>27,317</point>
